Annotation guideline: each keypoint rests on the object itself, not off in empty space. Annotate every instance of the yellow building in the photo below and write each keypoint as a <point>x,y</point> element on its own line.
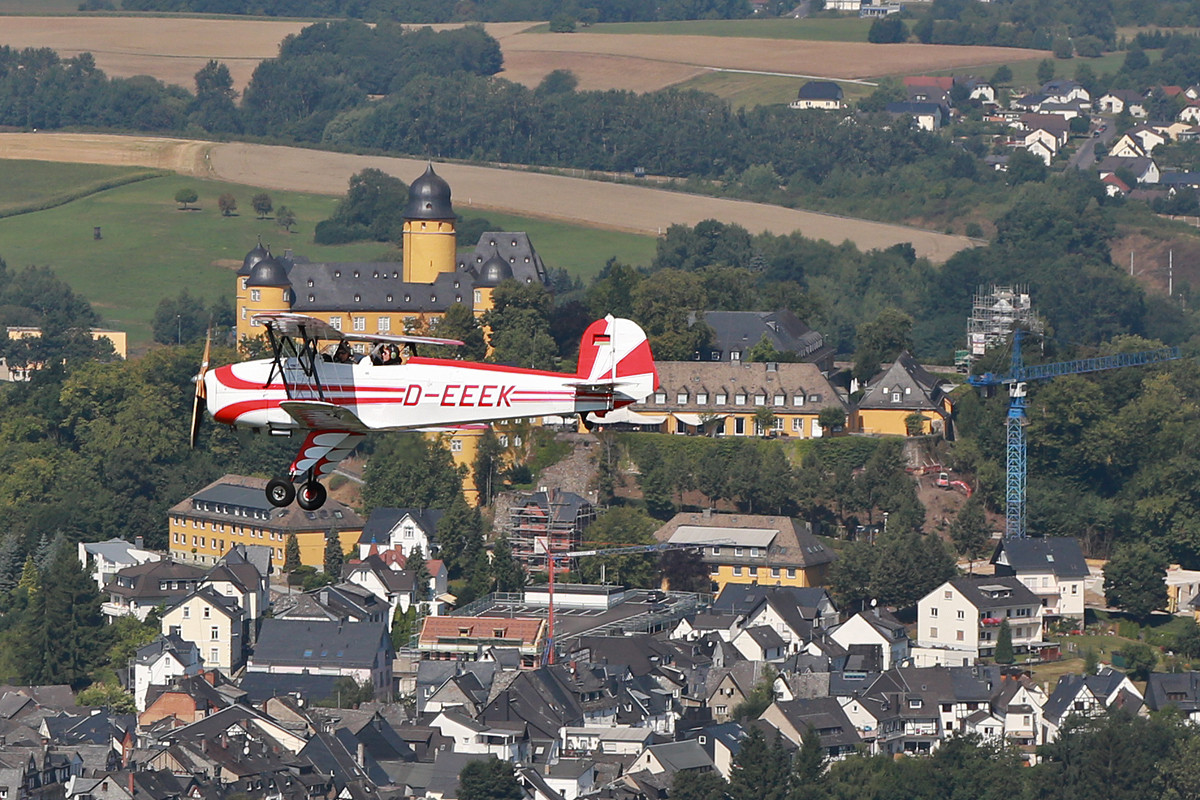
<point>117,339</point>
<point>384,297</point>
<point>903,389</point>
<point>752,549</point>
<point>234,510</point>
<point>727,398</point>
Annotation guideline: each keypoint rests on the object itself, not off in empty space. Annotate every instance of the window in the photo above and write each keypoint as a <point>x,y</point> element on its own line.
<point>896,397</point>
<point>716,551</point>
<point>962,614</point>
<point>739,426</point>
<point>760,399</point>
<point>774,572</point>
<point>385,324</point>
<point>737,572</point>
<point>207,612</point>
<point>933,611</point>
<point>660,397</point>
<point>738,551</point>
<point>681,398</point>
<point>187,612</point>
<point>214,633</point>
<point>702,398</point>
<point>360,323</point>
<point>798,400</point>
<point>214,655</point>
<point>958,635</point>
<point>933,633</point>
<point>478,296</point>
<point>255,295</point>
<point>335,322</point>
<point>739,399</point>
<point>456,445</point>
<point>722,398</point>
<point>948,594</point>
<point>779,399</point>
<point>722,709</point>
<point>715,570</point>
<point>798,425</point>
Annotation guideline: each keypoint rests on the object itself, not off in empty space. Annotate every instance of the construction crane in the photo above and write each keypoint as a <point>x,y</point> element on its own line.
<point>548,652</point>
<point>1019,375</point>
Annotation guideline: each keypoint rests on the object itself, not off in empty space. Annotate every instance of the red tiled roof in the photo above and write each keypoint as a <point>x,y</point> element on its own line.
<point>525,629</point>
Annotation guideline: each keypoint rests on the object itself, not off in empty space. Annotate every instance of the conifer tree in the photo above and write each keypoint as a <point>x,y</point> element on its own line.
<point>334,557</point>
<point>31,579</point>
<point>460,537</point>
<point>65,634</point>
<point>291,554</point>
<point>1004,644</point>
<point>507,575</point>
<point>420,572</point>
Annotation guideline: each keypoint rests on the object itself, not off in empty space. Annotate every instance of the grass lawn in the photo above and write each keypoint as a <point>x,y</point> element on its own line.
<point>151,249</point>
<point>743,90</point>
<point>822,29</point>
<point>30,185</point>
<point>39,7</point>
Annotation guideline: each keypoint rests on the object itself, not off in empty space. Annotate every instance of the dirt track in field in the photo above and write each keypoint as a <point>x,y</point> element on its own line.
<point>174,49</point>
<point>636,209</point>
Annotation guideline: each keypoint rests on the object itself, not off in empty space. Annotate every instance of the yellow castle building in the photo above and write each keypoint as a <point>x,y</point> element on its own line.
<point>386,297</point>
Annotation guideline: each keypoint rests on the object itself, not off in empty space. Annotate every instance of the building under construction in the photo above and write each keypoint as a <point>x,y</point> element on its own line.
<point>544,521</point>
<point>995,311</point>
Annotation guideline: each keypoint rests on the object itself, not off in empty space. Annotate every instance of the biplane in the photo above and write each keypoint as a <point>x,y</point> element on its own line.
<point>335,401</point>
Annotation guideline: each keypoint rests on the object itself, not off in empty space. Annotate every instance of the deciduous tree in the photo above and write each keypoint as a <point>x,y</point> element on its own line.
<point>1135,579</point>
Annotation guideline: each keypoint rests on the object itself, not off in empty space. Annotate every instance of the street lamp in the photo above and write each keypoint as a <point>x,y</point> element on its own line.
<point>178,329</point>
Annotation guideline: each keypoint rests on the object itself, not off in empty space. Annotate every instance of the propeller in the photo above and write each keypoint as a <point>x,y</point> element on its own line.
<point>201,391</point>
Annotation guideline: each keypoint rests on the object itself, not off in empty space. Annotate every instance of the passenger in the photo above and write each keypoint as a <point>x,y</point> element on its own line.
<point>377,354</point>
<point>343,354</point>
<point>385,357</point>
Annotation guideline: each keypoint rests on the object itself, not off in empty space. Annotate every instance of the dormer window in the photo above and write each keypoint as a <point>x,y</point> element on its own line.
<point>337,273</point>
<point>310,283</point>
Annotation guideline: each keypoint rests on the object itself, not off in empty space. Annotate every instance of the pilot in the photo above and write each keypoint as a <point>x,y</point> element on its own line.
<point>377,354</point>
<point>343,355</point>
<point>393,354</point>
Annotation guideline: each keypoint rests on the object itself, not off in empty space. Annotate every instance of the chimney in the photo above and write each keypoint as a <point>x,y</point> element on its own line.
<point>362,762</point>
<point>139,542</point>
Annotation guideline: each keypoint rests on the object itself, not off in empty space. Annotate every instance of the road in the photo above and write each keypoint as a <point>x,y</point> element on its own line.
<point>617,206</point>
<point>1085,156</point>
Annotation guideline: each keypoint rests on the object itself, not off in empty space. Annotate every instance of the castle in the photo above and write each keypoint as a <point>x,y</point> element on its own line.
<point>381,298</point>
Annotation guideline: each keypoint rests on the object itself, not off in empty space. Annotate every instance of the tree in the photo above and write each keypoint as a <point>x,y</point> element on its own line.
<point>334,557</point>
<point>63,631</point>
<point>460,537</point>
<point>181,319</point>
<point>969,531</point>
<point>420,575</point>
<point>756,702</point>
<point>1140,660</point>
<point>881,339</point>
<point>185,197</point>
<point>489,463</point>
<point>764,421</point>
<point>291,554</point>
<point>507,575</point>
<point>1135,579</point>
<point>285,218</point>
<point>690,784</point>
<point>562,23</point>
<point>1091,661</point>
<point>684,571</point>
<point>559,81</point>
<point>489,779</point>
<point>410,471</point>
<point>111,697</point>
<point>850,575</point>
<point>1004,644</point>
<point>1063,48</point>
<point>888,30</point>
<point>618,526</point>
<point>1025,167</point>
<point>914,423</point>
<point>831,418</point>
<point>1045,71</point>
<point>227,203</point>
<point>262,205</point>
<point>1002,75</point>
<point>1187,640</point>
<point>404,624</point>
<point>213,108</point>
<point>761,768</point>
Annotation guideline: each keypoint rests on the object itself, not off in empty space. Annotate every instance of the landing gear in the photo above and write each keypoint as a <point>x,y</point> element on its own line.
<point>280,492</point>
<point>311,496</point>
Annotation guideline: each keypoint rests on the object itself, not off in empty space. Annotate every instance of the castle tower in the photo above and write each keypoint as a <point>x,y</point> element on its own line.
<point>267,288</point>
<point>429,242</point>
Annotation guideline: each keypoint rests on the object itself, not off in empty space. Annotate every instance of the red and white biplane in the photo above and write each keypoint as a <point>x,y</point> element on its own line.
<point>335,403</point>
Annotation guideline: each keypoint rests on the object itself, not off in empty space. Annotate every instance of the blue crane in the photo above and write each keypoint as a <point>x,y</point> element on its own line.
<point>1019,375</point>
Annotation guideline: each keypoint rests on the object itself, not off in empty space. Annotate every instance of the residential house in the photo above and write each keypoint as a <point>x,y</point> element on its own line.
<point>825,95</point>
<point>1114,186</point>
<point>1183,586</point>
<point>748,548</point>
<point>902,389</point>
<point>722,743</point>
<point>812,603</point>
<point>673,757</point>
<point>187,699</point>
<point>463,637</point>
<point>215,623</point>
<point>362,651</point>
<point>979,90</point>
<point>140,589</point>
<point>400,529</point>
<point>1178,690</point>
<point>1190,114</point>
<point>160,662</point>
<point>234,510</point>
<point>957,623</point>
<point>876,629</point>
<point>1087,695</point>
<point>1126,147</point>
<point>1053,568</point>
<point>922,116</point>
<point>1042,145</point>
<point>735,334</point>
<point>103,560</point>
<point>825,715</point>
<point>1116,101</point>
<point>726,399</point>
<point>760,643</point>
<point>1064,90</point>
<point>1143,169</point>
<point>394,587</point>
<point>343,601</point>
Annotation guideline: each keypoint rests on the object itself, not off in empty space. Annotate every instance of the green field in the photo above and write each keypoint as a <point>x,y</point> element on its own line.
<point>38,7</point>
<point>823,29</point>
<point>33,185</point>
<point>150,249</point>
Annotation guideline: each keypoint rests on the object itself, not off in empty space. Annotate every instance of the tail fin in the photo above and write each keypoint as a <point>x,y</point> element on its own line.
<point>615,352</point>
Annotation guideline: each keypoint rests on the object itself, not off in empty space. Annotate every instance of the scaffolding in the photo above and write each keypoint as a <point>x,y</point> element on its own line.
<point>545,522</point>
<point>995,312</point>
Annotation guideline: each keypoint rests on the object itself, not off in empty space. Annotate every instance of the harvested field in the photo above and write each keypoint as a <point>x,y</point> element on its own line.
<point>173,49</point>
<point>636,209</point>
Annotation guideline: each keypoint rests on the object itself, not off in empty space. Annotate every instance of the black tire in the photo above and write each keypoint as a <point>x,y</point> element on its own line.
<point>280,493</point>
<point>311,496</point>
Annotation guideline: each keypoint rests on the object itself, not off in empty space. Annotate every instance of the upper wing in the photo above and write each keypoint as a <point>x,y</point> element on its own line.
<point>400,339</point>
<point>301,325</point>
<point>320,416</point>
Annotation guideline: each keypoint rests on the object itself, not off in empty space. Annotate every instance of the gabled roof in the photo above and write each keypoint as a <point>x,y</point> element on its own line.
<point>318,645</point>
<point>794,546</point>
<point>825,716</point>
<point>1059,555</point>
<point>676,756</point>
<point>527,631</point>
<point>992,591</point>
<point>382,521</point>
<point>242,499</point>
<point>741,330</point>
<point>917,387</point>
<point>820,90</point>
<point>765,637</point>
<point>228,606</point>
<point>741,598</point>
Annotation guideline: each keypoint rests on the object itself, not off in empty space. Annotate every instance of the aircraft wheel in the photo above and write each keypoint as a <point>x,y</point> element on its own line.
<point>280,493</point>
<point>311,496</point>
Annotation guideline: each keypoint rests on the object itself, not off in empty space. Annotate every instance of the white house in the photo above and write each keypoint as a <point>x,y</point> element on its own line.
<point>104,559</point>
<point>159,662</point>
<point>1053,568</point>
<point>825,95</point>
<point>958,622</point>
<point>402,529</point>
<point>1118,100</point>
<point>875,628</point>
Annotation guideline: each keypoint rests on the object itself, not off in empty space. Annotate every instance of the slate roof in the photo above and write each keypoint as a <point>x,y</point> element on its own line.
<point>974,590</point>
<point>262,686</point>
<point>1138,165</point>
<point>765,637</point>
<point>512,246</point>
<point>919,389</point>
<point>676,756</point>
<point>241,499</point>
<point>826,717</point>
<point>741,598</point>
<point>319,645</point>
<point>732,378</point>
<point>382,520</point>
<point>820,90</point>
<point>146,580</point>
<point>741,330</point>
<point>1059,555</point>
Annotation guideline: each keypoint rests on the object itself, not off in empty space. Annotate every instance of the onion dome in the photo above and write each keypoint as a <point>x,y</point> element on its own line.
<point>429,198</point>
<point>494,271</point>
<point>268,272</point>
<point>253,257</point>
